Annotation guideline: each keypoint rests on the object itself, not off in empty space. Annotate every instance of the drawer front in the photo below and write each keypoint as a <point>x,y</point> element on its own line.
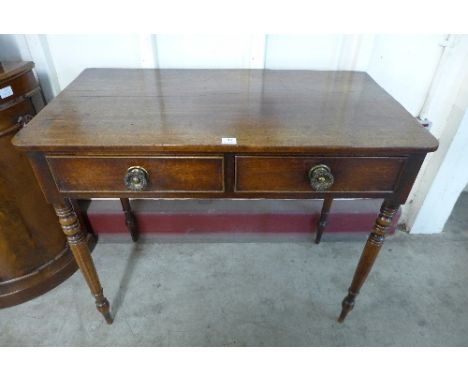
<point>164,174</point>
<point>291,174</point>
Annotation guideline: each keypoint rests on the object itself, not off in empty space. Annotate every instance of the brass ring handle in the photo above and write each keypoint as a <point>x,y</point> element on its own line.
<point>136,178</point>
<point>321,178</point>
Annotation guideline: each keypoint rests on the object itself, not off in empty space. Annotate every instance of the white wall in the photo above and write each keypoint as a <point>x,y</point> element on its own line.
<point>403,64</point>
<point>444,173</point>
<point>73,53</point>
<point>320,52</point>
<point>445,105</point>
<point>405,67</point>
<point>224,51</point>
<point>449,180</point>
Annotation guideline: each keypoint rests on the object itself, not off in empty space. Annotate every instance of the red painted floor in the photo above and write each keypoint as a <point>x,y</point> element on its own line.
<point>165,223</point>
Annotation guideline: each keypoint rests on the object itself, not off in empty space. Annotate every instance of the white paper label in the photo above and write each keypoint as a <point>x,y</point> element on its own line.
<point>6,92</point>
<point>229,141</point>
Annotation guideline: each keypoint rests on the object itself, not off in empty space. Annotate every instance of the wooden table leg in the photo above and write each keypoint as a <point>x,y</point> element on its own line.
<point>79,247</point>
<point>129,218</point>
<point>322,222</point>
<point>369,254</point>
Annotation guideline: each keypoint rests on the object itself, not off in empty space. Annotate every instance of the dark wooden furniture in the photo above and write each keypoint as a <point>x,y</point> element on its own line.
<point>33,252</point>
<point>159,133</point>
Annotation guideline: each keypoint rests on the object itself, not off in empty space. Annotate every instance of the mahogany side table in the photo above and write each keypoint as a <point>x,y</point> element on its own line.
<point>144,133</point>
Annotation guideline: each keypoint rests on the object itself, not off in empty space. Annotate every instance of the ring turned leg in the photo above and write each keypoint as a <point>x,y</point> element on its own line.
<point>322,222</point>
<point>369,254</point>
<point>129,219</point>
<point>79,247</point>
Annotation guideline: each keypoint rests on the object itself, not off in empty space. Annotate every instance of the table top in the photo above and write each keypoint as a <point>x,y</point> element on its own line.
<point>171,110</point>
